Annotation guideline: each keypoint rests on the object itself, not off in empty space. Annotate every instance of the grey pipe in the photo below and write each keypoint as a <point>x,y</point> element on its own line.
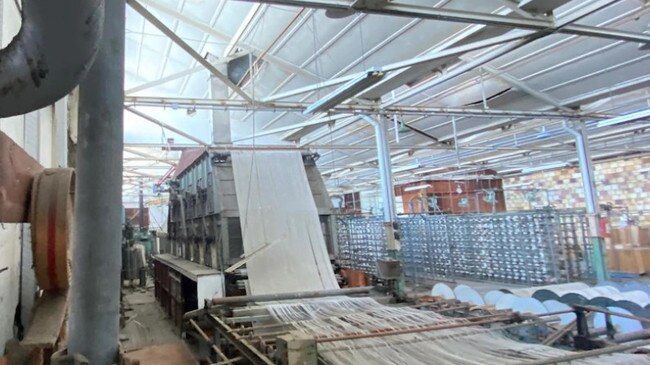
<point>52,52</point>
<point>586,169</point>
<point>385,174</point>
<point>95,290</point>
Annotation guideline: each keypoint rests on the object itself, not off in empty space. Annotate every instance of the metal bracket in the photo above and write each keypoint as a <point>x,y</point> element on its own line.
<point>220,158</point>
<point>369,4</point>
<point>310,158</point>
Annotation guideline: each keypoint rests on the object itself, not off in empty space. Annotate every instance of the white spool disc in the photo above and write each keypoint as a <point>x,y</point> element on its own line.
<point>493,296</point>
<point>442,290</point>
<point>622,325</point>
<point>557,306</point>
<point>465,293</point>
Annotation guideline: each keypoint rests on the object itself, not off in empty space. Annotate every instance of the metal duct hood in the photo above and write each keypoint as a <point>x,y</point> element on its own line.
<point>53,50</point>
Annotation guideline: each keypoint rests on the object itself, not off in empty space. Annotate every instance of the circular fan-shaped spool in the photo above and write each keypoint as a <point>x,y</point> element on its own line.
<point>635,285</point>
<point>631,307</point>
<point>574,298</point>
<point>51,218</point>
<point>442,290</point>
<point>465,293</point>
<point>602,302</point>
<point>636,296</point>
<point>493,296</point>
<point>544,294</point>
<point>505,302</point>
<point>610,283</point>
<point>606,290</point>
<point>528,305</point>
<point>646,314</point>
<point>622,325</point>
<point>522,292</point>
<point>554,292</point>
<point>556,306</point>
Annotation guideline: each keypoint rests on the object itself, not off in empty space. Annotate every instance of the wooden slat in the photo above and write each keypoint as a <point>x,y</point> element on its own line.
<point>47,323</point>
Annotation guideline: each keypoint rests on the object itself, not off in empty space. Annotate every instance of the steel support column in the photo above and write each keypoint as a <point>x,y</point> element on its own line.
<point>591,199</point>
<point>95,291</point>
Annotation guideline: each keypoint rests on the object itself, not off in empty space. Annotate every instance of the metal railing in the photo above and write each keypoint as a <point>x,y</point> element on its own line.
<point>531,247</point>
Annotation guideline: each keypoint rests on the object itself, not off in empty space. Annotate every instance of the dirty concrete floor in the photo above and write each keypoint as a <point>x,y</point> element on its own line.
<point>147,324</point>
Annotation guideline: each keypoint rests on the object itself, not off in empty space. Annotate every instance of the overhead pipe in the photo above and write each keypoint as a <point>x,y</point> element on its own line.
<point>385,174</point>
<point>579,132</point>
<point>50,55</point>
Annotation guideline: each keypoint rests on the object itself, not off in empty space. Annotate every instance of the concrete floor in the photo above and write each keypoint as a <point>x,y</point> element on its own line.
<point>147,325</point>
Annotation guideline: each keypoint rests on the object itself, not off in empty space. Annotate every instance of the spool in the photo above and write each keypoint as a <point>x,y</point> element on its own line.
<point>622,325</point>
<point>493,296</point>
<point>442,290</point>
<point>51,215</point>
<point>556,306</point>
<point>505,302</point>
<point>528,305</point>
<point>466,294</point>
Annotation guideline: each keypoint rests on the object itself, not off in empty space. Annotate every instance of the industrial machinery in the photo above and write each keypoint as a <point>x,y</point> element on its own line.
<point>325,327</point>
<point>207,255</point>
<point>137,245</point>
<point>204,222</point>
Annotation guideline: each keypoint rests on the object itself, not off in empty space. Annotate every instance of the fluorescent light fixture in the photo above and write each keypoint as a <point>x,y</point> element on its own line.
<point>417,187</point>
<point>406,168</point>
<point>430,170</point>
<point>544,167</point>
<point>624,118</point>
<point>348,90</point>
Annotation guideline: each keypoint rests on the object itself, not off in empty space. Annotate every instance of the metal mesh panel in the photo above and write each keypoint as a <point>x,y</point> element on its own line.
<point>534,247</point>
<point>361,242</point>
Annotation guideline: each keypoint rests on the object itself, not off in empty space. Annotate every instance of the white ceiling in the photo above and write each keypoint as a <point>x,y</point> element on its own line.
<point>302,46</point>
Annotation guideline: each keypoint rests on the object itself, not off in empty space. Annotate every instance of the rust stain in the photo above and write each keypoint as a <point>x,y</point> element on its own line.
<point>17,170</point>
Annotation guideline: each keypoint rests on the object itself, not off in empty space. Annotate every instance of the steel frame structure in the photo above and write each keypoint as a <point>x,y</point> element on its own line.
<point>530,24</point>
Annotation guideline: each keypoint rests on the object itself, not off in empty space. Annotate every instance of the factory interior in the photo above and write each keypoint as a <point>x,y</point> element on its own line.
<point>336,182</point>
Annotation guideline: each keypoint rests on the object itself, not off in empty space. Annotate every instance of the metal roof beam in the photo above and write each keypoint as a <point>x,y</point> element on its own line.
<point>523,86</point>
<point>404,64</point>
<point>320,120</point>
<point>287,66</point>
<point>461,16</point>
<point>164,80</point>
<point>247,23</point>
<point>148,156</point>
<point>143,167</point>
<point>187,48</point>
<point>165,125</point>
<point>227,104</point>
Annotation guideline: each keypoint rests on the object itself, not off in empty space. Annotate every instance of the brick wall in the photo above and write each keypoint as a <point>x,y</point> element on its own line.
<point>618,183</point>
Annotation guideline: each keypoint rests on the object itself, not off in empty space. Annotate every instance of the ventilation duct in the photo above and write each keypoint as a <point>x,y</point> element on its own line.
<point>53,50</point>
<point>238,68</point>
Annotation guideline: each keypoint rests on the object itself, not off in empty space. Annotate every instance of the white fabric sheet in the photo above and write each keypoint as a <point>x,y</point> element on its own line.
<point>276,208</point>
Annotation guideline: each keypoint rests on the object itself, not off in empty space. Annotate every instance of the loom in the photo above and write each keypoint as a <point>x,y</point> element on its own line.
<point>294,312</point>
<point>329,328</point>
<point>204,219</point>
